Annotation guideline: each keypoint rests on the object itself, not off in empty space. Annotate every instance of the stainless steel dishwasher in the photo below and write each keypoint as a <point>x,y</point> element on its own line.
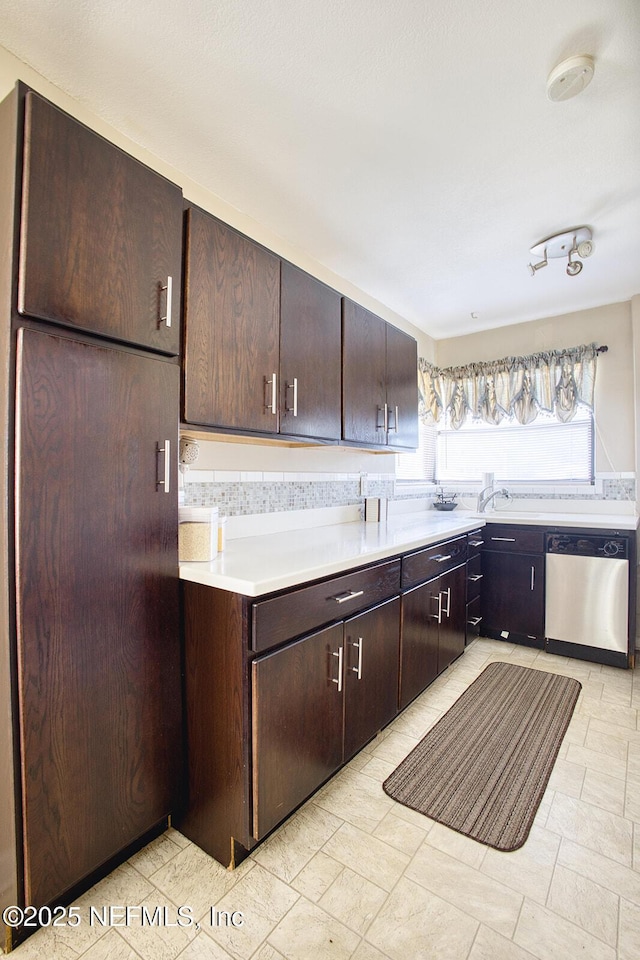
<point>587,596</point>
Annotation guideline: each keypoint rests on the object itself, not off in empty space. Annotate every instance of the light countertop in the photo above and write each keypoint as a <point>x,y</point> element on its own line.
<point>258,565</point>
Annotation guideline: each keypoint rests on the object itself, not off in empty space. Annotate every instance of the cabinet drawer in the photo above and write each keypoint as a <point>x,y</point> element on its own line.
<point>434,560</point>
<point>475,542</point>
<point>306,609</point>
<point>510,537</point>
<point>474,577</point>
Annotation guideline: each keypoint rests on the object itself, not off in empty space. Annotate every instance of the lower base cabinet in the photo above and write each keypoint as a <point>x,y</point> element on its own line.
<point>513,583</point>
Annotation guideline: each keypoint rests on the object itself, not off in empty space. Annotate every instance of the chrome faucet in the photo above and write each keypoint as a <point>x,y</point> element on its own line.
<point>487,494</point>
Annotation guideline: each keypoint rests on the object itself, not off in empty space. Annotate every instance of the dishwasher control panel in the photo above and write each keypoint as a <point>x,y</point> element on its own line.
<point>571,544</point>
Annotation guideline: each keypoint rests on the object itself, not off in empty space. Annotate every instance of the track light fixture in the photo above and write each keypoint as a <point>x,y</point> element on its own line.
<point>570,244</point>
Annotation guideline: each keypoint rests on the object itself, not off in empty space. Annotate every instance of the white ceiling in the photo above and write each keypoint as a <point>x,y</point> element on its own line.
<point>407,145</point>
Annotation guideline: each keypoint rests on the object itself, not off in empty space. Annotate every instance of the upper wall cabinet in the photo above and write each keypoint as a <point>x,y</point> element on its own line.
<point>262,348</point>
<point>231,316</point>
<point>101,239</point>
<point>380,381</point>
<point>310,356</point>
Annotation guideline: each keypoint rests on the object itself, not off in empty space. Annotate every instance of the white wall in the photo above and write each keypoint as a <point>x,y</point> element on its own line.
<point>615,397</point>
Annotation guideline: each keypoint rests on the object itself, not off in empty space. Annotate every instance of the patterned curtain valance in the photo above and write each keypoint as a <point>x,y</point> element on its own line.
<point>515,387</point>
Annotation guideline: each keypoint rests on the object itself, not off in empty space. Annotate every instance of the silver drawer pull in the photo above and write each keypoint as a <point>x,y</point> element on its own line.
<point>437,616</point>
<point>273,404</point>
<point>166,450</point>
<point>505,539</point>
<point>476,543</point>
<point>169,288</point>
<point>475,576</point>
<point>474,621</point>
<point>349,595</point>
<point>358,670</point>
<point>442,559</point>
<point>339,654</point>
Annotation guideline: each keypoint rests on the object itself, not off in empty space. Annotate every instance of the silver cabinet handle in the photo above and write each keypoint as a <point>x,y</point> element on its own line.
<point>293,386</point>
<point>447,612</point>
<point>273,406</point>
<point>386,418</point>
<point>441,559</point>
<point>474,621</point>
<point>166,482</point>
<point>476,543</point>
<point>437,616</point>
<point>339,653</point>
<point>475,576</point>
<point>533,577</point>
<point>505,539</point>
<point>395,419</point>
<point>349,595</point>
<point>169,288</point>
<point>358,670</point>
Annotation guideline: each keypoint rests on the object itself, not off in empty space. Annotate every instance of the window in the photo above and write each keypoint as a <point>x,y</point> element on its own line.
<point>421,465</point>
<point>545,450</point>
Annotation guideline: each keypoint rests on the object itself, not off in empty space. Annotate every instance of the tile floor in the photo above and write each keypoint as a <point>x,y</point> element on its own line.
<point>355,875</point>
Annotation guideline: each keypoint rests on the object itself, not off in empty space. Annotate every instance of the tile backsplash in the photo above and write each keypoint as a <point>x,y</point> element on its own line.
<point>248,493</point>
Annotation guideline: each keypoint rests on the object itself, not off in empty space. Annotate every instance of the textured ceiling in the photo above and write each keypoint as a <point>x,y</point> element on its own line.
<point>407,145</point>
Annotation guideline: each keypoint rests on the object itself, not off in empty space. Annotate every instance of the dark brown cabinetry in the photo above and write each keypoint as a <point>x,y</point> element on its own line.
<point>513,583</point>
<point>101,237</point>
<point>89,645</point>
<point>379,384</point>
<point>475,543</point>
<point>262,338</point>
<point>433,614</point>
<point>97,604</point>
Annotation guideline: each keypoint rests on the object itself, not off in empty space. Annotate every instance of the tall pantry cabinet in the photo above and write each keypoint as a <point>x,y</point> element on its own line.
<point>90,274</point>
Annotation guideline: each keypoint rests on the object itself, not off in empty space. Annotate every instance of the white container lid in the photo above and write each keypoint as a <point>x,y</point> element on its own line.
<point>197,515</point>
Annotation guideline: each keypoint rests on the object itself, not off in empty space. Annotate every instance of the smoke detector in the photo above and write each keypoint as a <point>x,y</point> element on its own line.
<point>570,78</point>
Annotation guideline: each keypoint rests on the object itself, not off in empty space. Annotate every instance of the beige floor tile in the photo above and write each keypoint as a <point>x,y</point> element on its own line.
<point>197,880</point>
<point>47,943</point>
<point>606,744</point>
<point>489,945</point>
<point>155,855</point>
<point>367,855</point>
<point>416,720</point>
<point>368,952</point>
<point>475,893</point>
<point>457,845</point>
<point>567,777</point>
<point>112,947</point>
<point>603,763</point>
<point>616,877</point>
<point>353,900</point>
<point>591,827</point>
<point>204,948</point>
<point>155,930</point>
<point>308,932</point>
<point>615,729</point>
<point>400,833</point>
<point>632,801</point>
<point>609,713</point>
<point>317,876</point>
<point>395,747</point>
<point>263,900</point>
<point>528,870</point>
<point>293,845</point>
<point>583,901</point>
<point>577,730</point>
<point>378,769</point>
<point>415,924</point>
<point>123,886</point>
<point>267,952</point>
<point>629,931</point>
<point>550,937</point>
<point>179,838</point>
<point>604,791</point>
<point>355,798</point>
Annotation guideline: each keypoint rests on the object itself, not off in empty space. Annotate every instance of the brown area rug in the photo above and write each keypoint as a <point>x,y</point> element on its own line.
<point>483,768</point>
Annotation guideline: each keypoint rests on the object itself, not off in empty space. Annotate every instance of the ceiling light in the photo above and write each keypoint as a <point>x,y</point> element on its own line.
<point>570,78</point>
<point>569,244</point>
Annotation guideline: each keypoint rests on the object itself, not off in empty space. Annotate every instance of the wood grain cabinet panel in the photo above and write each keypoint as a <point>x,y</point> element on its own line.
<point>310,356</point>
<point>379,381</point>
<point>101,234</point>
<point>96,604</point>
<point>231,317</point>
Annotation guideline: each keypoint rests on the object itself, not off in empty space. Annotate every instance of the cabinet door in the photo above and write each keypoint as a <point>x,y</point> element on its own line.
<point>421,610</point>
<point>402,388</point>
<point>297,724</point>
<point>513,593</point>
<point>453,626</point>
<point>231,315</point>
<point>371,656</point>
<point>96,604</point>
<point>100,234</point>
<point>363,375</point>
<point>310,356</point>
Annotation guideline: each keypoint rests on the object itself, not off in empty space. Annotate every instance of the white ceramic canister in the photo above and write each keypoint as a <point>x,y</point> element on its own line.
<point>197,533</point>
